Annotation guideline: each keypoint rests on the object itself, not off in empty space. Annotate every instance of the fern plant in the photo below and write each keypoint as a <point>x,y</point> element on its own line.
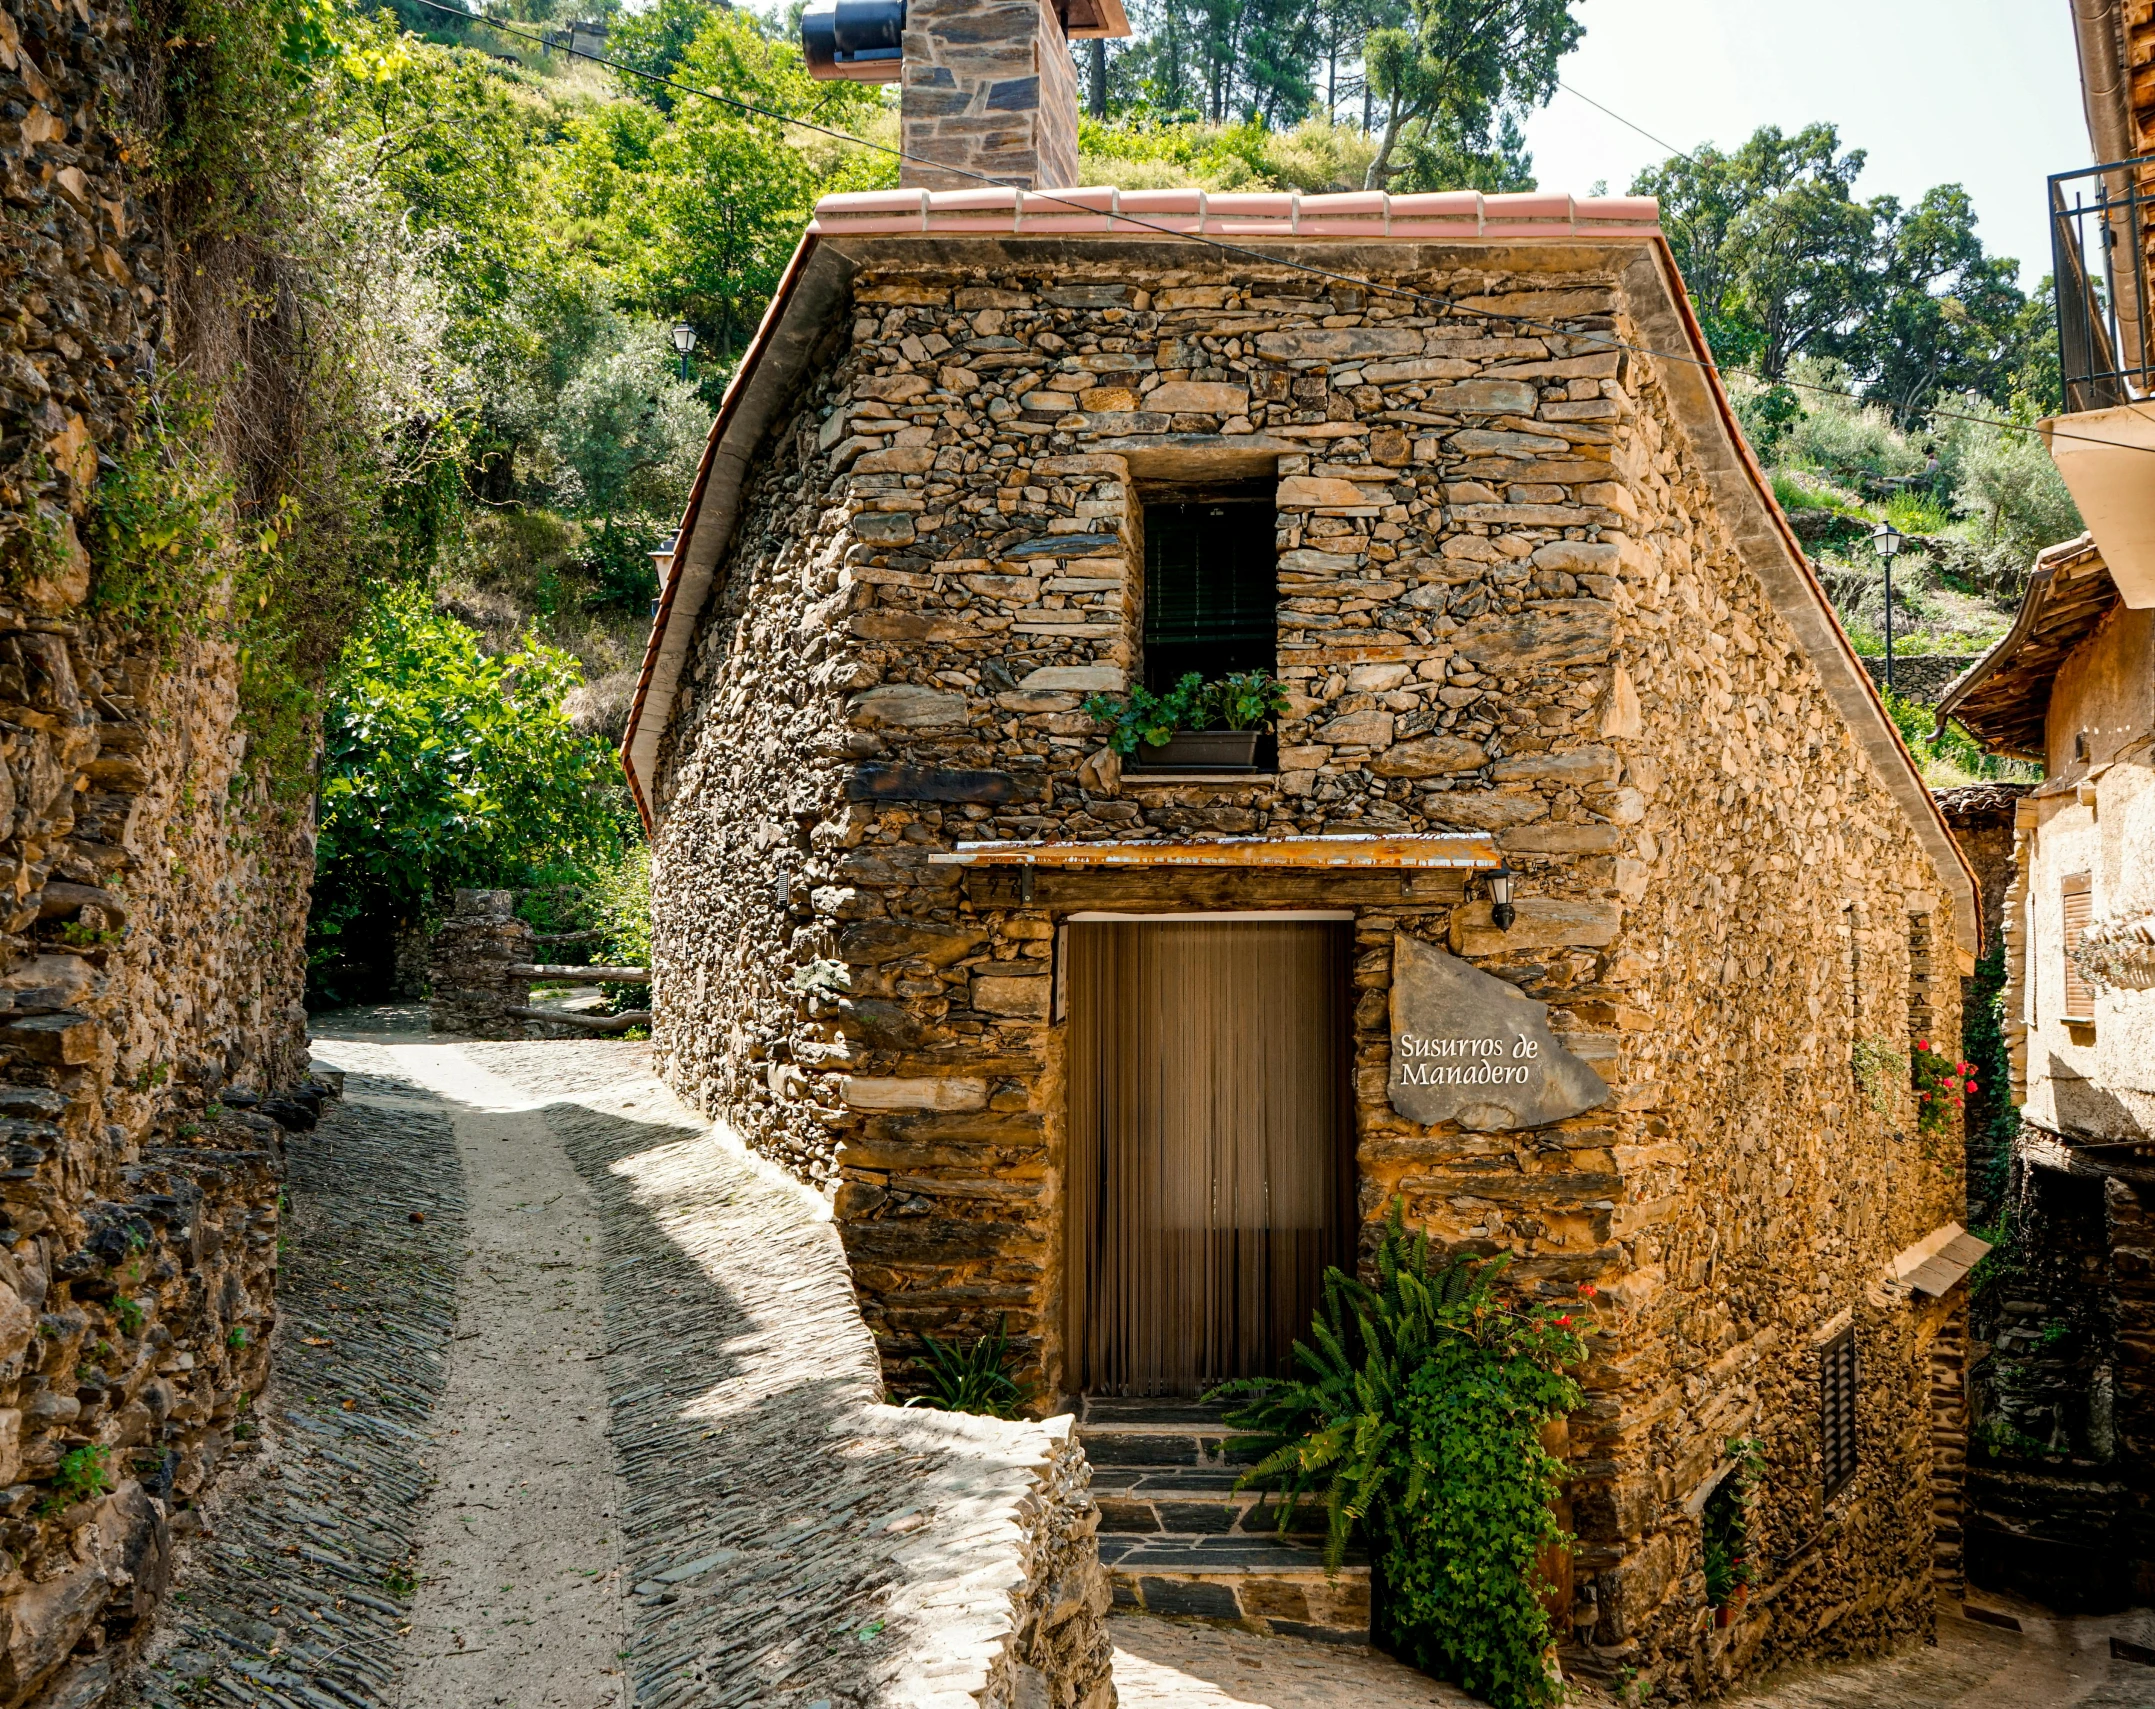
<point>977,1380</point>
<point>1417,1421</point>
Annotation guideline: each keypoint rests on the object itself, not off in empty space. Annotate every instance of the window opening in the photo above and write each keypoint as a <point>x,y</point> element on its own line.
<point>1837,1411</point>
<point>1725,1527</point>
<point>1211,588</point>
<point>2077,895</point>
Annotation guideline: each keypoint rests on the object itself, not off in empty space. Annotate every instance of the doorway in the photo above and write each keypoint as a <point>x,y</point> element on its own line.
<point>1211,1165</point>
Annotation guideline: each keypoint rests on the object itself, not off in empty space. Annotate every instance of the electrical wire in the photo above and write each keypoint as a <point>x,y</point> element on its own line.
<point>1681,154</point>
<point>1448,305</point>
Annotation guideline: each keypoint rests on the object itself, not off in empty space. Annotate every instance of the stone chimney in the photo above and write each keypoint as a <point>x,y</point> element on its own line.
<point>988,87</point>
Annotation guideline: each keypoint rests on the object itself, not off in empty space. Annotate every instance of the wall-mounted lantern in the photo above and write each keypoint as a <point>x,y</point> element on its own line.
<point>662,562</point>
<point>856,41</point>
<point>1501,912</point>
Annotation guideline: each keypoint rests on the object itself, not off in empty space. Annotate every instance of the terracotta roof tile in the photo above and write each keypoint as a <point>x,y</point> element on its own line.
<point>1239,214</point>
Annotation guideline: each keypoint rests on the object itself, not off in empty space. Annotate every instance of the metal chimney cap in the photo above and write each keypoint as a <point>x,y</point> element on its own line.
<point>856,41</point>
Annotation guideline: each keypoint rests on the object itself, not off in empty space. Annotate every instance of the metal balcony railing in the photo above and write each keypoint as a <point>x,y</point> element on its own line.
<point>2102,220</point>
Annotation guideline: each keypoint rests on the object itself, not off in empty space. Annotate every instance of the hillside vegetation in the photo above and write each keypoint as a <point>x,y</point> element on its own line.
<point>555,220</point>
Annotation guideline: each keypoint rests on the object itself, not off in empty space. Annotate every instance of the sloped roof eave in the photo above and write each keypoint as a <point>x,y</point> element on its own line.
<point>1994,670</point>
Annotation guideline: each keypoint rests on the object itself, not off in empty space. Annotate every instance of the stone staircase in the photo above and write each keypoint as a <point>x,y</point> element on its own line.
<point>1177,1537</point>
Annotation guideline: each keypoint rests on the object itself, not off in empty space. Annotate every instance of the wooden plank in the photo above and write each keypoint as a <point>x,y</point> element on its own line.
<point>586,1023</point>
<point>1462,851</point>
<point>563,974</point>
<point>936,783</point>
<point>1169,889</point>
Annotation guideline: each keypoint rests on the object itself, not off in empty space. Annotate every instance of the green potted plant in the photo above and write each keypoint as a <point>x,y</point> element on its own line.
<point>1194,726</point>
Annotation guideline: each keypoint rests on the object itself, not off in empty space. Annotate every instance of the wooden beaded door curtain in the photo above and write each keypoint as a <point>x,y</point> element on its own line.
<point>1210,1176</point>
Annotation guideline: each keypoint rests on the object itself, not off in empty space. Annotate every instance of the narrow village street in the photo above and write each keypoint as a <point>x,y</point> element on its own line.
<point>553,1426</point>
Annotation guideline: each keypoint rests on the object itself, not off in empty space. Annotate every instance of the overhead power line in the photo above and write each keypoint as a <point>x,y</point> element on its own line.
<point>1681,154</point>
<point>564,43</point>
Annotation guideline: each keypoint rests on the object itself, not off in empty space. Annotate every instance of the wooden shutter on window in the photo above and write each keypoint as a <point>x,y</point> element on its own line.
<point>1211,590</point>
<point>1837,1411</point>
<point>2079,899</point>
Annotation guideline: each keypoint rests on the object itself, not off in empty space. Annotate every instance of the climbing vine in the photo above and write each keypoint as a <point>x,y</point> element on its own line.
<point>1418,1423</point>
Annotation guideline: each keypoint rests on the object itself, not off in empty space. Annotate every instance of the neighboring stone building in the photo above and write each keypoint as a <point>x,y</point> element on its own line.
<point>2063,1501</point>
<point>150,959</point>
<point>1534,603</point>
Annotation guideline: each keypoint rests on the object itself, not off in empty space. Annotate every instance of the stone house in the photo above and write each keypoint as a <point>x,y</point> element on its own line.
<point>2060,1495</point>
<point>1124,1054</point>
<point>2061,1503</point>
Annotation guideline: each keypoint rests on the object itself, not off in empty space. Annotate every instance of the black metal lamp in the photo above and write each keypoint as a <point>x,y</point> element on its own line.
<point>1886,542</point>
<point>684,340</point>
<point>1501,912</point>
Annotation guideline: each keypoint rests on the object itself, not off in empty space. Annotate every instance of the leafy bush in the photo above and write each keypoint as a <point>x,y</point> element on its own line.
<point>977,1380</point>
<point>2002,476</point>
<point>1725,1529</point>
<point>1418,1421</point>
<point>1850,441</point>
<point>1315,157</point>
<point>83,1474</point>
<point>1953,758</point>
<point>1241,700</point>
<point>445,767</point>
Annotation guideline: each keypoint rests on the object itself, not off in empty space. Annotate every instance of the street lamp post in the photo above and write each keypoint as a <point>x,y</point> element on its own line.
<point>1886,539</point>
<point>684,340</point>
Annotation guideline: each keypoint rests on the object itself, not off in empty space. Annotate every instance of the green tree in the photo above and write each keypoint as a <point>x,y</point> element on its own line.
<point>1942,315</point>
<point>443,766</point>
<point>1783,262</point>
<point>1452,69</point>
<point>656,40</point>
<point>1774,248</point>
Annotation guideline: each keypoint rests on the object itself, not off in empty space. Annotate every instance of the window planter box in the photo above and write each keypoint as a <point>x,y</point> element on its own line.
<point>1202,750</point>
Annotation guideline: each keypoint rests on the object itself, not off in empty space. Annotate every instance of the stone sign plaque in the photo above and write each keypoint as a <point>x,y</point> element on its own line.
<point>1470,1048</point>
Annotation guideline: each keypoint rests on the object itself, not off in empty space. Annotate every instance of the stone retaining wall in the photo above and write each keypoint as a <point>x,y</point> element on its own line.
<point>150,950</point>
<point>1921,677</point>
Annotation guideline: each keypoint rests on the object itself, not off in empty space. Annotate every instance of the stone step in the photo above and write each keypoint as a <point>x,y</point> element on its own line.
<point>1151,1434</point>
<point>1260,1582</point>
<point>1180,1501</point>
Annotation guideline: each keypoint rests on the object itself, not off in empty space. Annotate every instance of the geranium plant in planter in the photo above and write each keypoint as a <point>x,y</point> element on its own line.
<point>1196,725</point>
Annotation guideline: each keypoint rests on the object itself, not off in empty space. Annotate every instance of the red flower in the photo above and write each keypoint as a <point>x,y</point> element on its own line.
<point>1923,1044</point>
<point>1588,1289</point>
<point>1563,1323</point>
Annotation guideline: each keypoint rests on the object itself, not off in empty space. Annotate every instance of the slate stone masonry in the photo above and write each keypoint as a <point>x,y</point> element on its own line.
<point>987,87</point>
<point>1508,604</point>
<point>151,966</point>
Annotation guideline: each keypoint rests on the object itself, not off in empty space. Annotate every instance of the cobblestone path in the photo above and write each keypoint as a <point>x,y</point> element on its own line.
<point>2049,1664</point>
<point>295,1597</point>
<point>612,1434</point>
<point>572,1411</point>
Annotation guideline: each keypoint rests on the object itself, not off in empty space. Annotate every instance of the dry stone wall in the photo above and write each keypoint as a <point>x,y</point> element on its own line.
<point>1507,605</point>
<point>150,949</point>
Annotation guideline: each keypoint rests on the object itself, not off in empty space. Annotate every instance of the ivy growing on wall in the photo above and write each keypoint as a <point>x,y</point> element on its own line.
<point>1418,1426</point>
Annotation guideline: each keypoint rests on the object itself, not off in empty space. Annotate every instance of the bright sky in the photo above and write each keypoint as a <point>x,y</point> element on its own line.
<point>1983,93</point>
